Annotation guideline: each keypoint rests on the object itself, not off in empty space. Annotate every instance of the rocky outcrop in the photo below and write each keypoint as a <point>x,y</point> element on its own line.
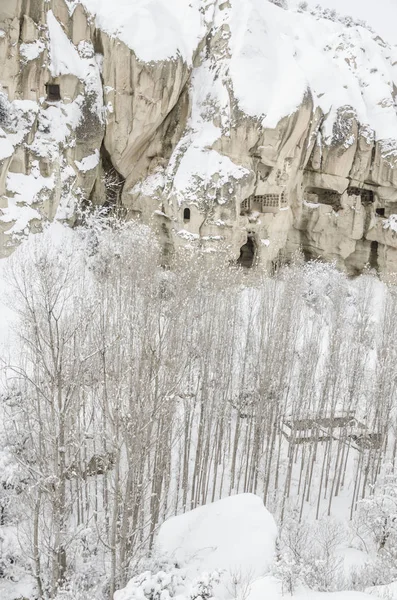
<point>239,136</point>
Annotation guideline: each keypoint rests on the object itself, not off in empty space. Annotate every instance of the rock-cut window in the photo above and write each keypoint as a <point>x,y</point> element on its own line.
<point>53,92</point>
<point>186,215</point>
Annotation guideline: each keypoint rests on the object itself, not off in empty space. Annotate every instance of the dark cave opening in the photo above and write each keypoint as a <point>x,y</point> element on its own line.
<point>247,254</point>
<point>373,256</point>
<point>53,92</point>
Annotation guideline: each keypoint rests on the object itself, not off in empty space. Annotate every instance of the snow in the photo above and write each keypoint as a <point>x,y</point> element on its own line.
<point>23,191</point>
<point>381,15</point>
<point>230,546</point>
<point>270,587</point>
<point>154,29</point>
<point>216,544</point>
<point>25,188</point>
<point>6,148</point>
<point>65,59</point>
<point>278,55</point>
<point>388,592</point>
<point>194,164</point>
<point>187,235</point>
<point>272,59</point>
<point>16,590</point>
<point>198,162</point>
<point>151,184</point>
<point>82,61</point>
<point>31,51</point>
<point>390,223</point>
<point>234,534</point>
<point>89,162</point>
<point>21,215</point>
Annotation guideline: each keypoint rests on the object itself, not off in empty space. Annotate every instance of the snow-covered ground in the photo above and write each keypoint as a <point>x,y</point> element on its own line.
<point>223,550</point>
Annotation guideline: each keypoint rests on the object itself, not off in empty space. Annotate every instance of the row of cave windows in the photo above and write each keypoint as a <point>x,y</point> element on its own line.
<point>187,214</point>
<point>265,201</point>
<point>247,254</point>
<point>326,196</point>
<point>333,198</point>
<point>316,195</point>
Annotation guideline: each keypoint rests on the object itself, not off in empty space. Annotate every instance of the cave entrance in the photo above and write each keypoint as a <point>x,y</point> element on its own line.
<point>373,255</point>
<point>367,197</point>
<point>53,92</point>
<point>323,196</point>
<point>247,254</point>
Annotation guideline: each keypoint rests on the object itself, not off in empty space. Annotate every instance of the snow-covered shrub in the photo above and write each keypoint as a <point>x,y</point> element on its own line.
<point>308,555</point>
<point>378,514</point>
<point>167,584</point>
<point>11,560</point>
<point>377,523</point>
<point>5,110</point>
<point>203,587</point>
<point>85,571</point>
<point>325,566</point>
<point>290,572</point>
<point>12,484</point>
<point>74,593</point>
<point>303,6</point>
<point>240,583</point>
<point>281,3</point>
<point>152,586</point>
<point>331,15</point>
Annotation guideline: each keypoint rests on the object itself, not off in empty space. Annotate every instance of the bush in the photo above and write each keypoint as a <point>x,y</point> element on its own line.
<point>4,110</point>
<point>281,3</point>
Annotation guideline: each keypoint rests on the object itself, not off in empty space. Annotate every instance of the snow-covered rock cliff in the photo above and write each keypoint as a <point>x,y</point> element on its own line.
<point>233,125</point>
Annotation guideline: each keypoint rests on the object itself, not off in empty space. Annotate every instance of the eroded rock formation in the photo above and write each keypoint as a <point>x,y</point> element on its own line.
<point>256,138</point>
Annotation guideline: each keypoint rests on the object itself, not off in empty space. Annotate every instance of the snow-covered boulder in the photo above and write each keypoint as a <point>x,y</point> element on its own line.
<point>234,534</point>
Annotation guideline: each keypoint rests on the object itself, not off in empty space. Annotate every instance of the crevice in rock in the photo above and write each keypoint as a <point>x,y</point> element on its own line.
<point>111,183</point>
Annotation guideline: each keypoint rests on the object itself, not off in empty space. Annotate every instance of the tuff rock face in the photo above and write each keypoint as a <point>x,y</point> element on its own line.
<point>232,125</point>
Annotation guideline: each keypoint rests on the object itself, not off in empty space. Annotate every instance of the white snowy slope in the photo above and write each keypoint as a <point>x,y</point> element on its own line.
<point>382,14</point>
<point>154,29</point>
<point>276,55</point>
